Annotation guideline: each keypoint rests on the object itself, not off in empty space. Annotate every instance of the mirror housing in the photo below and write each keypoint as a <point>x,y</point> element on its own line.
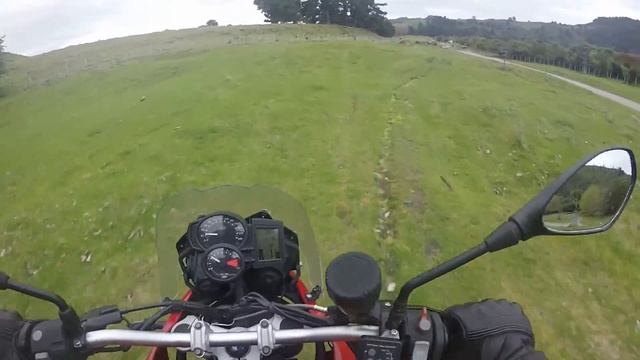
<point>529,219</point>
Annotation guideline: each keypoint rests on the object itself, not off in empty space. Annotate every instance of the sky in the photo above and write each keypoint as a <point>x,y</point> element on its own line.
<point>613,159</point>
<point>36,26</point>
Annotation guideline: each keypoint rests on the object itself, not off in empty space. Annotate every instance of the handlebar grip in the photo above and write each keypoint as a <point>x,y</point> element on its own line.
<point>425,325</point>
<point>11,324</point>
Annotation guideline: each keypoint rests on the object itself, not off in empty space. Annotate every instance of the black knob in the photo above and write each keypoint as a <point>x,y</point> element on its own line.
<point>354,282</point>
<point>237,351</point>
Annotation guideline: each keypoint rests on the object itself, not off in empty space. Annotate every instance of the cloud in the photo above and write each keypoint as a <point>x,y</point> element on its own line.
<point>33,27</point>
<point>36,26</point>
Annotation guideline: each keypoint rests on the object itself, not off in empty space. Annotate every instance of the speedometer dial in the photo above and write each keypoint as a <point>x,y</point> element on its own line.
<point>222,228</point>
<point>224,263</point>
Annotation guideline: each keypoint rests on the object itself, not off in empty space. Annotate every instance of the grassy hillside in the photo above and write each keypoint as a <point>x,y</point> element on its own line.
<point>104,55</point>
<point>354,130</point>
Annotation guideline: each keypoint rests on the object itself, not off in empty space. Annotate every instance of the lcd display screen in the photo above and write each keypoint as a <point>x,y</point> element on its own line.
<point>268,242</point>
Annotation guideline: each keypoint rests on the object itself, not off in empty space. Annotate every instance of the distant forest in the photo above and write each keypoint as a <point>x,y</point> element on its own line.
<point>593,190</point>
<point>606,47</point>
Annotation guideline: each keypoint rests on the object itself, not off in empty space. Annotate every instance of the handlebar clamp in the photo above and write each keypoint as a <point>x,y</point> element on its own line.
<point>266,338</point>
<point>200,332</point>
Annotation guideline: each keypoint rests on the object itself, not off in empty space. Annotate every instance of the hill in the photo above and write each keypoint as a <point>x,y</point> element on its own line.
<point>106,54</point>
<point>362,132</point>
<point>620,33</point>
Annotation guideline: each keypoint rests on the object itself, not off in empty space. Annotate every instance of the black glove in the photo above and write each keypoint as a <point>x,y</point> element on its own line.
<point>10,324</point>
<point>489,330</point>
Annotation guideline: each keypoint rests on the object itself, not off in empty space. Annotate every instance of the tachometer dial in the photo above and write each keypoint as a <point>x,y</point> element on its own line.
<point>222,228</point>
<point>224,263</point>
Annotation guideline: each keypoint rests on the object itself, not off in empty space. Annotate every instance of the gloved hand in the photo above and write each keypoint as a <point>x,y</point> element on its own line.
<point>10,324</point>
<point>489,330</point>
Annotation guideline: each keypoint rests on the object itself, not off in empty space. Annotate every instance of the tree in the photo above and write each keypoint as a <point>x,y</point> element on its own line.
<point>556,205</point>
<point>310,11</point>
<point>366,14</point>
<point>378,20</point>
<point>592,201</point>
<point>616,193</point>
<point>2,65</point>
<point>212,23</point>
<point>279,11</point>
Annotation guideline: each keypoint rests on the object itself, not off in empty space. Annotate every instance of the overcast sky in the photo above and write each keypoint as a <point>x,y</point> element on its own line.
<point>36,26</point>
<point>614,159</point>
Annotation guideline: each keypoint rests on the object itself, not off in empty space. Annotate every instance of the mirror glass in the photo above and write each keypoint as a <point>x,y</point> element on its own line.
<point>593,196</point>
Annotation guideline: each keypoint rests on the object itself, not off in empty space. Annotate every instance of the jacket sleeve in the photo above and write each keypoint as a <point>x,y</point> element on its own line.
<point>510,347</point>
<point>489,330</point>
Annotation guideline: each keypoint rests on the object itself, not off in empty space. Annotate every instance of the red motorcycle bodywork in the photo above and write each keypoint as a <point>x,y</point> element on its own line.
<point>341,350</point>
<point>160,353</point>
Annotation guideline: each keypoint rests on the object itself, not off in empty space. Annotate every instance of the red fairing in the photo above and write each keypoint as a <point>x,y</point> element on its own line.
<point>341,351</point>
<point>160,353</point>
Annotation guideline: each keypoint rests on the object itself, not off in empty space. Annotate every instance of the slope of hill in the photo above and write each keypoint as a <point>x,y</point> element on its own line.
<point>103,55</point>
<point>362,132</point>
<point>621,34</point>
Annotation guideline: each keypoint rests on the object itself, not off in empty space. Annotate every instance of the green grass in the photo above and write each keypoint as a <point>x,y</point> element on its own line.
<point>46,69</point>
<point>614,86</point>
<point>85,165</point>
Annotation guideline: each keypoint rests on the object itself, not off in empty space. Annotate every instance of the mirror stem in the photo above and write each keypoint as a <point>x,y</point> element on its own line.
<point>507,234</point>
<point>396,316</point>
<point>504,236</point>
<point>68,316</point>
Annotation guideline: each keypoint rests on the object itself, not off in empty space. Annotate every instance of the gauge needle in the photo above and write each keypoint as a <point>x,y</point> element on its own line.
<point>216,259</point>
<point>210,234</point>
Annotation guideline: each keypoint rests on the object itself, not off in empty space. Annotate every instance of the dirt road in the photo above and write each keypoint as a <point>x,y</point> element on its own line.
<point>605,94</point>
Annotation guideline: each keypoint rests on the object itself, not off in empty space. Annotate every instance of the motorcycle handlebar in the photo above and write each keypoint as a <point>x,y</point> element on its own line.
<point>202,337</point>
<point>101,338</point>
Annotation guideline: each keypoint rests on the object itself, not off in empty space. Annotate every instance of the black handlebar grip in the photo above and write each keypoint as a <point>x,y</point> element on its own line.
<point>4,280</point>
<point>10,324</point>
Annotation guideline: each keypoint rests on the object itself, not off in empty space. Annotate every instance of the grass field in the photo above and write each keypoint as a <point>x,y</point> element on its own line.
<point>447,145</point>
<point>614,86</point>
<point>48,68</point>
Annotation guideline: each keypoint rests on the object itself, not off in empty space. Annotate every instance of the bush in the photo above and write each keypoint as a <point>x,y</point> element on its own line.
<point>592,201</point>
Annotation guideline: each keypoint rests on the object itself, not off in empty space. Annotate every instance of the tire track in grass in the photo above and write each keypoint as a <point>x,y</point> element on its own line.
<point>385,229</point>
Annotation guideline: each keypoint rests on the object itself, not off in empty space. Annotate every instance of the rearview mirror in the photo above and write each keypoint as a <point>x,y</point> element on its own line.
<point>587,198</point>
<point>592,198</point>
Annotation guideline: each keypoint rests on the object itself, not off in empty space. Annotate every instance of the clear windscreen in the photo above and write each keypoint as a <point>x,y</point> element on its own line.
<point>183,208</point>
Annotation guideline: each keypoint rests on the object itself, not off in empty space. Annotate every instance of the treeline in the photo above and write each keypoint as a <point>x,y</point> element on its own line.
<point>592,191</point>
<point>366,14</point>
<point>620,34</point>
<point>2,56</point>
<point>583,48</point>
<point>586,58</point>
